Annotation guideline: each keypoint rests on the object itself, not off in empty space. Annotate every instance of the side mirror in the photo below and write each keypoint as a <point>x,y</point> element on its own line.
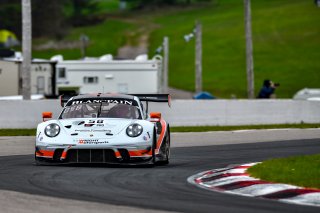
<point>155,116</point>
<point>47,115</point>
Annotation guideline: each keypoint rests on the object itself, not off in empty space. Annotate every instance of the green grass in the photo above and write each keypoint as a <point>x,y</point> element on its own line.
<point>107,6</point>
<point>231,128</point>
<point>32,132</point>
<point>285,40</point>
<point>104,38</point>
<point>300,171</point>
<point>17,132</point>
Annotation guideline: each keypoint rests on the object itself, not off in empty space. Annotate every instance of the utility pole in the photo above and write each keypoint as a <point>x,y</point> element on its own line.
<point>198,35</point>
<point>165,63</point>
<point>249,49</point>
<point>84,39</point>
<point>26,49</point>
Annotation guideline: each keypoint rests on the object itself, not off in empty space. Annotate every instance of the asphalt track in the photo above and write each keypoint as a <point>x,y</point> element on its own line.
<point>158,188</point>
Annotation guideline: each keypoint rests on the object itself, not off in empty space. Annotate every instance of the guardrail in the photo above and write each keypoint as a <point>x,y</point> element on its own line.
<point>27,114</point>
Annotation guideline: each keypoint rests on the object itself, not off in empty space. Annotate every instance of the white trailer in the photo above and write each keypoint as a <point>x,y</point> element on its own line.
<point>107,75</point>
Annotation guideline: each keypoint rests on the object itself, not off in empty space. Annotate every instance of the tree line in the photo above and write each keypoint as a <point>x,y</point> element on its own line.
<point>51,18</point>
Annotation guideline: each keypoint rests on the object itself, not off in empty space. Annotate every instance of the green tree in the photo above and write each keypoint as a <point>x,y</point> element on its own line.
<point>158,3</point>
<point>10,18</point>
<point>48,18</point>
<point>84,12</point>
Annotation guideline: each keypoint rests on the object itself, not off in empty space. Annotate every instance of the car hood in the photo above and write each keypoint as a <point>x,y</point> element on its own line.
<point>82,127</point>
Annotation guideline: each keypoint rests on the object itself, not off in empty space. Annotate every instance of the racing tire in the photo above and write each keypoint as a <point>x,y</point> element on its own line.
<point>154,144</point>
<point>166,149</point>
<point>39,161</point>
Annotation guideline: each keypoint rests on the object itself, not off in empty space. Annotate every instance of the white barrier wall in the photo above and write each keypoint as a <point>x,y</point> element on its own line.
<point>27,114</point>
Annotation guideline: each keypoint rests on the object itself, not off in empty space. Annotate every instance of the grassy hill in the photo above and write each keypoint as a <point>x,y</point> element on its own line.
<point>104,38</point>
<point>286,42</point>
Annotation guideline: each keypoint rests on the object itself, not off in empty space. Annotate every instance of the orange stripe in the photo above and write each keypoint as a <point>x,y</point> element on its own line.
<point>44,153</point>
<point>117,154</point>
<point>64,155</point>
<point>139,153</point>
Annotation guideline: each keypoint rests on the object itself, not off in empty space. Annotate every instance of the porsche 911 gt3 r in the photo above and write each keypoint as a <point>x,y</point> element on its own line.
<point>105,128</point>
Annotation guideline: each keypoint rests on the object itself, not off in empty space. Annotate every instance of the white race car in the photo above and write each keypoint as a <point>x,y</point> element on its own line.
<point>105,128</point>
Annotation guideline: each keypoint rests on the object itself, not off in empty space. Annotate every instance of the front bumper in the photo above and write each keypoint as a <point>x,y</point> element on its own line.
<point>91,154</point>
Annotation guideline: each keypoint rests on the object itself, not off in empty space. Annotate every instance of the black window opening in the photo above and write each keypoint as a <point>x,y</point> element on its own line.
<point>90,80</point>
<point>61,72</point>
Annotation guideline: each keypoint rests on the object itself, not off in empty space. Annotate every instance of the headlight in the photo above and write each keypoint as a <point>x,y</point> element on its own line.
<point>134,130</point>
<point>52,130</point>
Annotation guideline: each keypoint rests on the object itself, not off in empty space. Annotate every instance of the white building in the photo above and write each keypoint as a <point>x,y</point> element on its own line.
<point>107,75</point>
<point>42,77</point>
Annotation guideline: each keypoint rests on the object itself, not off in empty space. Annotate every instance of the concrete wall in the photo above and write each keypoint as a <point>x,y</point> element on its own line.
<point>27,114</point>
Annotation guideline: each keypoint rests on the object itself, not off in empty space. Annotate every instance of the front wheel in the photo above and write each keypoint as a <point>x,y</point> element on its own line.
<point>154,144</point>
<point>166,149</point>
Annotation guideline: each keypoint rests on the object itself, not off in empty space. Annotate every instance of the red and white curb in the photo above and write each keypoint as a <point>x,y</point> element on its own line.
<point>235,180</point>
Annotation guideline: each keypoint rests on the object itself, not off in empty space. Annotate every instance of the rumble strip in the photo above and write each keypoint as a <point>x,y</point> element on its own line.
<point>235,180</point>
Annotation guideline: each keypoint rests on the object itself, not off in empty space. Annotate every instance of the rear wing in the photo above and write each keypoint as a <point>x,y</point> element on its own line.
<point>143,97</point>
<point>154,98</point>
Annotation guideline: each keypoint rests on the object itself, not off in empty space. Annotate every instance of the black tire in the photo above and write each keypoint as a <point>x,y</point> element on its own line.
<point>154,144</point>
<point>39,161</point>
<point>166,149</point>
<point>36,161</point>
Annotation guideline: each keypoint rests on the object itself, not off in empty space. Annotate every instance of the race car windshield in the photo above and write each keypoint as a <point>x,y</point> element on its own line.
<point>101,110</point>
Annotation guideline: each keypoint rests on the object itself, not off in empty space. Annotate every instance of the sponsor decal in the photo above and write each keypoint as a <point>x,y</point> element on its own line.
<point>91,141</point>
<point>82,141</point>
<point>88,125</point>
<point>93,122</point>
<point>114,101</point>
<point>83,130</point>
<point>93,130</point>
<point>102,130</point>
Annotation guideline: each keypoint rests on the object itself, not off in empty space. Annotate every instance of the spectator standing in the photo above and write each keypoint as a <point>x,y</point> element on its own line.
<point>268,89</point>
